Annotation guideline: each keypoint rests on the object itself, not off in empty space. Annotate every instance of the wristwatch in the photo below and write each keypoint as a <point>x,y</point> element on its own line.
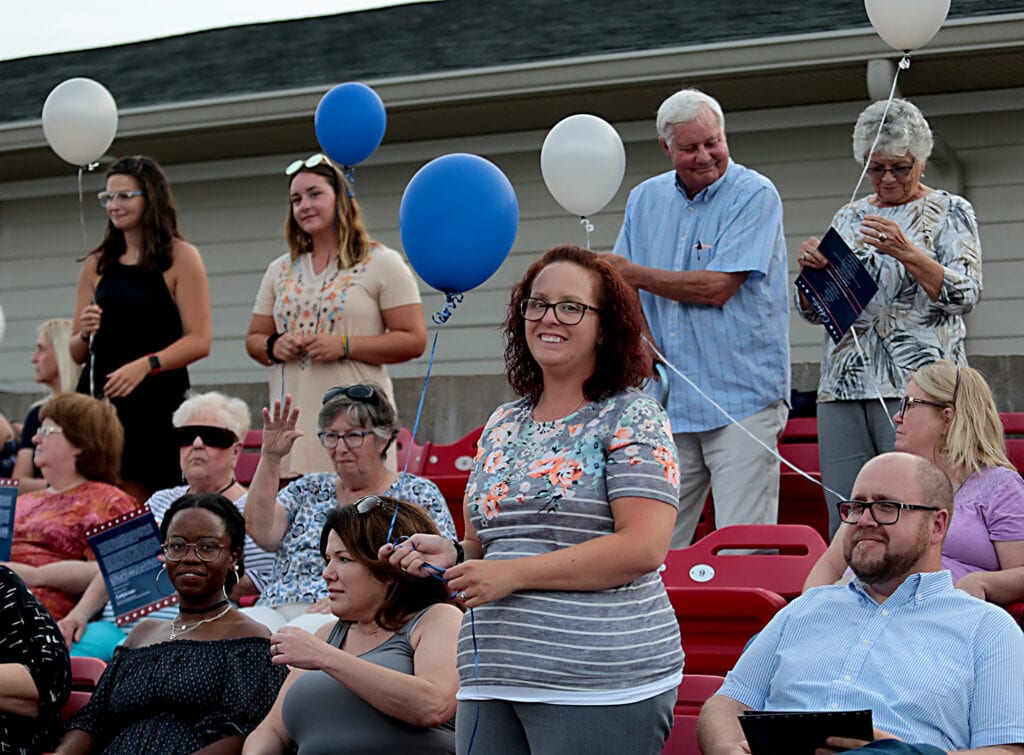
<point>154,364</point>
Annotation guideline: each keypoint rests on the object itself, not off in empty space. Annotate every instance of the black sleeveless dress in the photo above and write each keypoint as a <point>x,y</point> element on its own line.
<point>139,318</point>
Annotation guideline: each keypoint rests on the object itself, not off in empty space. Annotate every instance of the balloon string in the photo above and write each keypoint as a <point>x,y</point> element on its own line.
<point>350,175</point>
<point>451,301</point>
<point>585,222</point>
<point>81,208</point>
<point>903,65</point>
<point>419,414</point>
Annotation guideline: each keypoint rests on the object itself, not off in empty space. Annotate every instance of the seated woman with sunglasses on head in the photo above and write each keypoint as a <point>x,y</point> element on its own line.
<point>209,429</point>
<point>948,416</point>
<point>357,425</point>
<point>335,309</point>
<point>382,678</point>
<point>204,679</point>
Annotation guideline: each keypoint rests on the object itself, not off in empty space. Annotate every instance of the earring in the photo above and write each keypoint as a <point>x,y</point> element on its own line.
<point>163,570</point>
<point>238,576</point>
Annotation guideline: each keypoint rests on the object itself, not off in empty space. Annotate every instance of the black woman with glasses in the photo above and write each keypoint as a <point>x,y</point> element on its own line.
<point>922,248</point>
<point>947,415</point>
<point>142,315</point>
<point>570,643</point>
<point>381,677</point>
<point>202,680</point>
<point>357,425</point>
<point>209,428</point>
<point>335,309</point>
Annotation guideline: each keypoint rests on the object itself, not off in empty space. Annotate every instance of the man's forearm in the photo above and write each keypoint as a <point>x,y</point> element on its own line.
<point>718,730</point>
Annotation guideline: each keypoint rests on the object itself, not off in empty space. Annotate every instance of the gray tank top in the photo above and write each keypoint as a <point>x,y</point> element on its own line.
<point>323,717</point>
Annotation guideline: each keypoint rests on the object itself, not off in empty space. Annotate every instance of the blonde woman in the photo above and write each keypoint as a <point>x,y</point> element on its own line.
<point>332,311</point>
<point>54,368</point>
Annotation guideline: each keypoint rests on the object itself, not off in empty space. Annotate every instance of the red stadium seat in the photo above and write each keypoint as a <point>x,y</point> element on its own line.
<point>799,548</point>
<point>717,622</point>
<point>683,738</point>
<point>85,675</point>
<point>411,456</point>
<point>449,467</point>
<point>1013,425</point>
<point>695,690</point>
<point>245,467</point>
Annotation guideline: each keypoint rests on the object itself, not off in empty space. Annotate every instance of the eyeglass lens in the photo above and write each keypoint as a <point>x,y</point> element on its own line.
<point>206,550</point>
<point>215,437</point>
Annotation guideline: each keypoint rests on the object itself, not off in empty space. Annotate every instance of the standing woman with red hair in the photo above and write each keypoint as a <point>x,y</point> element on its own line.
<point>141,317</point>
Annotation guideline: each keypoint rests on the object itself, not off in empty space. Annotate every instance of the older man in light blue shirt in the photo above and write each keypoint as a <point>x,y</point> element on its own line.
<point>704,245</point>
<point>936,666</point>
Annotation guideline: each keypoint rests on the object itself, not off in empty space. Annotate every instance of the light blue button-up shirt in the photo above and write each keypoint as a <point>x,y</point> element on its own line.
<point>933,664</point>
<point>738,353</point>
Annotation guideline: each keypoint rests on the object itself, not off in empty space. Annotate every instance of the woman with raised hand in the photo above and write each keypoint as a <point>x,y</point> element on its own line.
<point>382,677</point>
<point>335,309</point>
<point>948,416</point>
<point>570,644</point>
<point>141,317</point>
<point>357,425</point>
<point>199,682</point>
<point>54,368</point>
<point>921,247</point>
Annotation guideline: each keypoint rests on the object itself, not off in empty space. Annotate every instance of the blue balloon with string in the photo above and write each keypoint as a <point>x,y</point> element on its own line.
<point>458,219</point>
<point>350,121</point>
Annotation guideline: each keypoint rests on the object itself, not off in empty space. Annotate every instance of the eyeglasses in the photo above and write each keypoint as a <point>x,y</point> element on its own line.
<point>909,401</point>
<point>310,162</point>
<point>206,550</point>
<point>353,439</point>
<point>566,312</point>
<point>883,512</point>
<point>368,503</point>
<point>45,430</point>
<point>106,197</point>
<point>899,172</point>
<point>215,437</point>
<point>366,394</point>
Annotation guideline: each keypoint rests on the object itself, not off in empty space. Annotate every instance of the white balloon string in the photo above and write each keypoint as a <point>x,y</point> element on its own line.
<point>585,222</point>
<point>903,65</point>
<point>81,208</point>
<point>871,376</point>
<point>734,421</point>
<point>281,397</point>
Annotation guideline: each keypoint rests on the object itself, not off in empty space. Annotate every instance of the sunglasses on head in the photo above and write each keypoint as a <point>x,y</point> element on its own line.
<point>366,394</point>
<point>214,437</point>
<point>310,162</point>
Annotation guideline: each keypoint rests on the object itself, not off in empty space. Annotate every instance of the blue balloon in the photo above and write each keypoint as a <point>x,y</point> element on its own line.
<point>458,219</point>
<point>350,122</point>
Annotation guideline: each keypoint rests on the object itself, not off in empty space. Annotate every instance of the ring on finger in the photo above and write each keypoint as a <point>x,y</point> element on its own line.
<point>463,596</point>
<point>882,236</point>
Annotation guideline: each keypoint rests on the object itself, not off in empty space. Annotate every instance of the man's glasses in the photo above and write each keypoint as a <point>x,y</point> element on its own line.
<point>310,162</point>
<point>883,512</point>
<point>899,172</point>
<point>566,312</point>
<point>214,437</point>
<point>908,402</point>
<point>366,394</point>
<point>353,440</point>
<point>106,197</point>
<point>206,550</point>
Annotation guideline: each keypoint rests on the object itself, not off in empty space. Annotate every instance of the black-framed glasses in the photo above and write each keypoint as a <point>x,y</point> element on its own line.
<point>908,402</point>
<point>566,312</point>
<point>353,439</point>
<point>176,549</point>
<point>214,437</point>
<point>366,394</point>
<point>883,512</point>
<point>899,172</point>
<point>310,162</point>
<point>106,197</point>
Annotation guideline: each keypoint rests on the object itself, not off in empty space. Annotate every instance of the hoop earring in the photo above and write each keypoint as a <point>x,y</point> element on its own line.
<point>163,570</point>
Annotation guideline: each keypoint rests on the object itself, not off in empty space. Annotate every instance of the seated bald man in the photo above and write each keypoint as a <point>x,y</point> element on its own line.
<point>937,667</point>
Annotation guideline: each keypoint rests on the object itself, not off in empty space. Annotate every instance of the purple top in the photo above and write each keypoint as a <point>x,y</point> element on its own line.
<point>989,508</point>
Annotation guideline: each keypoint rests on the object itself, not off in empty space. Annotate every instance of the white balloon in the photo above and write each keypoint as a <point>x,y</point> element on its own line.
<point>79,120</point>
<point>906,24</point>
<point>583,162</point>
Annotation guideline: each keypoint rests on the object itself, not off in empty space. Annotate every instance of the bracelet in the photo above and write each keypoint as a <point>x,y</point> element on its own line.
<point>271,340</point>
<point>344,343</point>
<point>460,553</point>
<point>84,336</point>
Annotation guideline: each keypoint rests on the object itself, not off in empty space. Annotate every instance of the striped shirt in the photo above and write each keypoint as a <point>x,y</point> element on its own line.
<point>933,664</point>
<point>738,353</point>
<point>538,487</point>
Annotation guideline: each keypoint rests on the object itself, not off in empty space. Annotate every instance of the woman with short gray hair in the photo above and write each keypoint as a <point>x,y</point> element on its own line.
<point>921,247</point>
<point>357,425</point>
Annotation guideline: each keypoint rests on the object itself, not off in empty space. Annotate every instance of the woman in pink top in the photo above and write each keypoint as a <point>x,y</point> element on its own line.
<point>948,416</point>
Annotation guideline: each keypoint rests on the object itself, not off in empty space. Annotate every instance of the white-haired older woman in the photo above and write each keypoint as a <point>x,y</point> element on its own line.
<point>921,246</point>
<point>54,368</point>
<point>210,428</point>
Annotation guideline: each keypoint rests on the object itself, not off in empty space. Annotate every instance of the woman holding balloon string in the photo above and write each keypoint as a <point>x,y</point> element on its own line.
<point>333,310</point>
<point>142,315</point>
<point>571,643</point>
